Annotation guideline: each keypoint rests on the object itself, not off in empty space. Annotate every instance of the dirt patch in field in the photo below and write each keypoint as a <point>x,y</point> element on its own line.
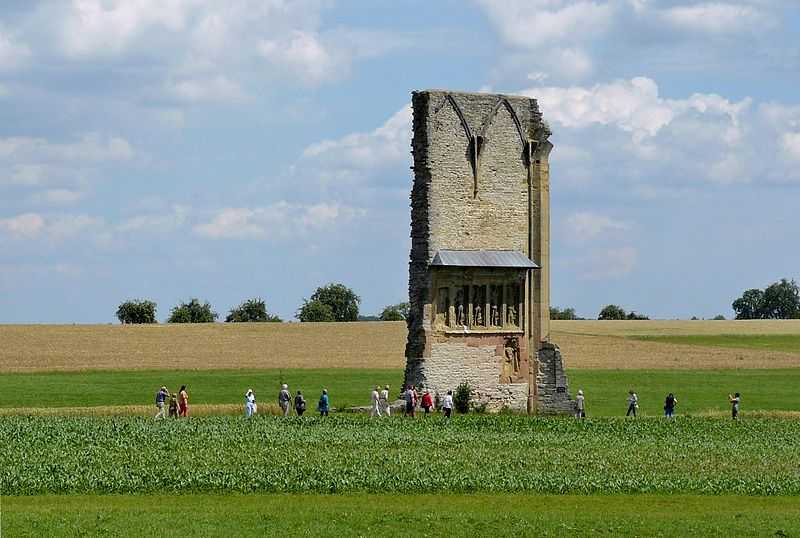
<point>585,344</point>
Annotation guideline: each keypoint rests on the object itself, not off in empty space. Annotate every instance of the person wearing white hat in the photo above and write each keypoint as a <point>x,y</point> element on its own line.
<point>580,409</point>
<point>284,398</point>
<point>161,396</point>
<point>384,401</point>
<point>250,408</point>
<point>375,405</point>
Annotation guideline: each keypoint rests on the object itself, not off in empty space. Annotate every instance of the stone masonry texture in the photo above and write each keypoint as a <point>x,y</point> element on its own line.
<point>481,181</point>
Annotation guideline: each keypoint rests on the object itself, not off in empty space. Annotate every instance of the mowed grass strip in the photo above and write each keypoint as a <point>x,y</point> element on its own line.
<point>353,453</point>
<point>220,391</point>
<point>789,343</point>
<point>499,515</point>
<point>114,388</point>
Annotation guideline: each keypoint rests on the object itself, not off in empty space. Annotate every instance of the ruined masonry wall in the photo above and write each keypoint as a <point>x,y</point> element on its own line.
<point>452,363</point>
<point>450,210</point>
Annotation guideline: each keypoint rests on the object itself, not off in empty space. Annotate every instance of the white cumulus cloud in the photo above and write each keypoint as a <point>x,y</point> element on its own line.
<point>277,221</point>
<point>715,17</point>
<point>387,145</point>
<point>584,226</point>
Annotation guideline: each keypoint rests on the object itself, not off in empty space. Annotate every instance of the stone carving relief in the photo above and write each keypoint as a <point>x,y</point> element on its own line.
<point>511,370</point>
<point>491,307</point>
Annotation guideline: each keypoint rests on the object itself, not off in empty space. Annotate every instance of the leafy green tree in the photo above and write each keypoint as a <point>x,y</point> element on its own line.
<point>634,315</point>
<point>781,300</point>
<point>395,312</point>
<point>251,311</point>
<point>341,300</point>
<point>192,312</point>
<point>566,313</point>
<point>612,311</point>
<point>462,398</point>
<point>750,305</point>
<point>719,317</point>
<point>315,311</point>
<point>137,311</point>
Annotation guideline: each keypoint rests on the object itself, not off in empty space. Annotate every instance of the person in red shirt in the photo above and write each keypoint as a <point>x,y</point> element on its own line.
<point>183,402</point>
<point>427,401</point>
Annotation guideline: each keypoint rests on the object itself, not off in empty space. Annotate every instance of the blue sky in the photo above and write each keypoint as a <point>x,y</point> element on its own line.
<point>170,149</point>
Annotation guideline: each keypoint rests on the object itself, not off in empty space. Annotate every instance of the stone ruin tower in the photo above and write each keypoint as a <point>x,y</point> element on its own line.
<point>479,274</point>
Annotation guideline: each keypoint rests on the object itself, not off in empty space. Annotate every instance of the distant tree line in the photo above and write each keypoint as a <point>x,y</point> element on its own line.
<point>779,300</point>
<point>613,311</point>
<point>563,313</point>
<point>329,303</point>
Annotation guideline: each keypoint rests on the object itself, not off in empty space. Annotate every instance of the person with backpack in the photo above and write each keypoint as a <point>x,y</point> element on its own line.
<point>299,404</point>
<point>669,405</point>
<point>734,400</point>
<point>284,398</point>
<point>324,404</point>
<point>161,397</point>
<point>633,403</point>
<point>427,401</point>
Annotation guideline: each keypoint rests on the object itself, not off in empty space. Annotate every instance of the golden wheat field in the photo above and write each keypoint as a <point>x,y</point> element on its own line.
<point>585,344</point>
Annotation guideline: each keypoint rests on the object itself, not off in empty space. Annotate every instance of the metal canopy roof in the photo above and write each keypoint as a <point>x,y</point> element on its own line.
<point>483,258</point>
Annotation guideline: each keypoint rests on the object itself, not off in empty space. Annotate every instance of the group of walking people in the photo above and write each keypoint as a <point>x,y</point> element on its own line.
<point>298,403</point>
<point>669,405</point>
<point>287,403</point>
<point>178,403</point>
<point>412,401</point>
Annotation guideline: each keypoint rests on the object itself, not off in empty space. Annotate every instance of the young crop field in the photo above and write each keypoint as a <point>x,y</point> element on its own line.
<point>340,454</point>
<point>382,514</point>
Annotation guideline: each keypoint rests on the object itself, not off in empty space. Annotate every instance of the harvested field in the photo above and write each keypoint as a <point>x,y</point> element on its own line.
<point>617,352</point>
<point>27,348</point>
<point>586,344</point>
<point>676,327</point>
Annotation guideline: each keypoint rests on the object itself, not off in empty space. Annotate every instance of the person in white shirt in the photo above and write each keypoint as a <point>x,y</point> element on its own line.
<point>633,403</point>
<point>375,408</point>
<point>580,411</point>
<point>250,403</point>
<point>447,404</point>
<point>384,401</point>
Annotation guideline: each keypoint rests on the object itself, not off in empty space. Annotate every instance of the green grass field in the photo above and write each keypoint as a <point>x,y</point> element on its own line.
<point>498,516</point>
<point>789,343</point>
<point>698,391</point>
<point>346,386</point>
